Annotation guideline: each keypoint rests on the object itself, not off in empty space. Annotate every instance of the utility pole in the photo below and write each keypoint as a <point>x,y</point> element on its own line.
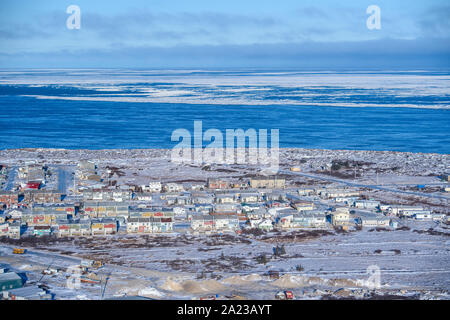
<point>106,282</point>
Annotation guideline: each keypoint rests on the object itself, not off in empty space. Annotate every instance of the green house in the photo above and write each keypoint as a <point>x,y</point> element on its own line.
<point>10,280</point>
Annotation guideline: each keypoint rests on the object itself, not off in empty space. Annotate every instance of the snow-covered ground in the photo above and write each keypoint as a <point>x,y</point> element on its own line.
<point>411,262</point>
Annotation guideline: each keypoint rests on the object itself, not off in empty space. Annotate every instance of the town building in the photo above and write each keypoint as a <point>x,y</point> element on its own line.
<point>10,280</point>
<point>41,196</point>
<point>268,183</point>
<point>96,209</point>
<point>216,184</point>
<point>103,226</point>
<point>9,199</point>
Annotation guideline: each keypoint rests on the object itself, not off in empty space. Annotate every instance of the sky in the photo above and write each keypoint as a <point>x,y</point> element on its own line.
<point>319,34</point>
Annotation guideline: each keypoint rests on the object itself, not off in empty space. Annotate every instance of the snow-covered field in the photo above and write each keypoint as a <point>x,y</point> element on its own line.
<point>411,263</point>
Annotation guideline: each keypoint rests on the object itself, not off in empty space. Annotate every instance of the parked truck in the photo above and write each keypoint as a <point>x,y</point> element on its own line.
<point>96,264</point>
<point>284,295</point>
<point>18,251</point>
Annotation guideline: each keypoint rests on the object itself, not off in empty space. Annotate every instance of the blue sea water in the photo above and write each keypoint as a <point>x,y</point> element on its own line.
<point>27,122</point>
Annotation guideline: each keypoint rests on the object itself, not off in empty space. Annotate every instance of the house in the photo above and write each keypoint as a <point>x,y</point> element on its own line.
<point>42,230</point>
<point>150,225</point>
<point>216,184</point>
<point>239,185</point>
<point>45,217</point>
<point>32,185</point>
<point>9,198</point>
<point>10,280</point>
<point>226,222</point>
<point>284,219</point>
<point>139,225</point>
<point>340,217</point>
<point>254,221</point>
<point>173,187</point>
<point>346,200</point>
<point>4,229</point>
<point>438,216</point>
<point>226,208</point>
<point>87,165</point>
<point>103,226</point>
<point>308,219</point>
<point>170,199</point>
<point>4,267</point>
<point>214,223</point>
<point>147,212</point>
<point>195,186</point>
<point>202,223</point>
<point>258,213</point>
<point>305,192</point>
<point>225,198</point>
<point>204,208</point>
<point>3,217</point>
<point>41,196</point>
<point>202,198</point>
<point>335,193</point>
<point>275,196</point>
<point>101,195</point>
<point>183,200</point>
<point>303,205</point>
<point>267,183</point>
<point>405,210</point>
<point>16,214</point>
<point>249,208</point>
<point>66,228</point>
<point>143,196</point>
<point>162,225</point>
<point>265,224</point>
<point>27,293</point>
<point>106,209</point>
<point>14,230</point>
<point>393,224</point>
<point>278,204</point>
<point>91,176</point>
<point>69,209</point>
<point>153,187</point>
<point>370,220</point>
<point>366,204</point>
<point>424,216</point>
<point>249,197</point>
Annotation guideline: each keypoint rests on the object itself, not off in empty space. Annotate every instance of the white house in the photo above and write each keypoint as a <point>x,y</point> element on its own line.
<point>374,221</point>
<point>249,197</point>
<point>225,198</point>
<point>15,214</point>
<point>309,219</point>
<point>407,210</point>
<point>173,187</point>
<point>425,216</point>
<point>153,186</point>
<point>4,227</point>
<point>285,219</point>
<point>366,204</point>
<point>265,224</point>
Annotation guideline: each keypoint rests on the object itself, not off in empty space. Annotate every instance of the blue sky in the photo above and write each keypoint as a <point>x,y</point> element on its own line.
<point>214,34</point>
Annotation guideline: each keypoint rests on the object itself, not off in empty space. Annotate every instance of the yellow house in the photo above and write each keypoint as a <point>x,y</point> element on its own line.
<point>97,228</point>
<point>304,205</point>
<point>340,218</point>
